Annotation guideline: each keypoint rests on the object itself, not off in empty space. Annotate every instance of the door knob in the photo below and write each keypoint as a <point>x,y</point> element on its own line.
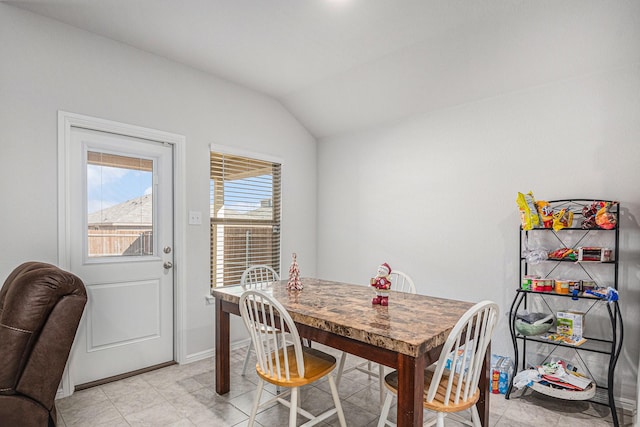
<point>168,265</point>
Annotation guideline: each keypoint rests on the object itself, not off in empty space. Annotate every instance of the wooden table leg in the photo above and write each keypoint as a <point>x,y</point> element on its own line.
<point>410,390</point>
<point>222,342</point>
<point>484,383</point>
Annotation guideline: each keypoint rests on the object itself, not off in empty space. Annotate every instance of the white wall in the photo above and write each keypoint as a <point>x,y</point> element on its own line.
<point>434,196</point>
<point>46,66</point>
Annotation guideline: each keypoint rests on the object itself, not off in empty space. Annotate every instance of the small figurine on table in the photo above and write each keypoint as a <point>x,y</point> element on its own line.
<point>294,283</point>
<point>382,284</point>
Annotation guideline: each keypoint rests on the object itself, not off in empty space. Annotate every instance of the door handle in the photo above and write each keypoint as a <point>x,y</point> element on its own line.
<point>167,265</point>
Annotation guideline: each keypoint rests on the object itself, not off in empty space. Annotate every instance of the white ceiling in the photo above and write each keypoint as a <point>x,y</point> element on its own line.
<point>341,66</point>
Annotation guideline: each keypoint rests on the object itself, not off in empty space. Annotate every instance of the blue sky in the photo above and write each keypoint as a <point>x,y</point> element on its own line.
<point>109,186</point>
<point>244,195</point>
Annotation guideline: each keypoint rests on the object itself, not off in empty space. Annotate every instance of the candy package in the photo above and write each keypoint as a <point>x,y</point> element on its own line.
<point>604,218</point>
<point>528,212</point>
<point>562,219</point>
<point>546,213</point>
<point>589,214</point>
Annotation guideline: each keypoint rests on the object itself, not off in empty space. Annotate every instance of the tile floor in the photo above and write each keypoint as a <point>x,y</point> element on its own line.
<point>185,396</point>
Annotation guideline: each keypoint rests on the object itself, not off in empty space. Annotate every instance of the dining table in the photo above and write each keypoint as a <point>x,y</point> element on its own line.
<point>407,335</point>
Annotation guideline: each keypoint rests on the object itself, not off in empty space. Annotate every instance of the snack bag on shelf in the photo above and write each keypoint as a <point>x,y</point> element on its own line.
<point>564,253</point>
<point>604,218</point>
<point>610,294</point>
<point>546,213</point>
<point>562,219</point>
<point>589,214</point>
<point>528,212</point>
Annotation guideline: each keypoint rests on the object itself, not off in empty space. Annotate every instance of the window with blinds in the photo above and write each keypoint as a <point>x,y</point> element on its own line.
<point>245,216</point>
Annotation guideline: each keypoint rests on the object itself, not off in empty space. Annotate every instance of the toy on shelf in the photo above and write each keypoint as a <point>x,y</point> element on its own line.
<point>294,283</point>
<point>382,284</point>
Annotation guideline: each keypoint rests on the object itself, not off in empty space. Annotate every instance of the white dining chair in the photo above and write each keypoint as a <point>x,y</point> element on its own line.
<point>256,277</point>
<point>454,389</point>
<point>284,364</point>
<point>400,282</point>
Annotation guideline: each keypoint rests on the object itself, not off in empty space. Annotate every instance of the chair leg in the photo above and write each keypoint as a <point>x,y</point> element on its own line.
<point>293,409</point>
<point>343,358</point>
<point>246,358</point>
<point>381,381</point>
<point>336,401</point>
<point>256,403</point>
<point>384,413</point>
<point>475,416</point>
<point>429,423</point>
<point>440,419</point>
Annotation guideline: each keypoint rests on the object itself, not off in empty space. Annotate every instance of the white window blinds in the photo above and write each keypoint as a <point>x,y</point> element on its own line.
<point>245,216</point>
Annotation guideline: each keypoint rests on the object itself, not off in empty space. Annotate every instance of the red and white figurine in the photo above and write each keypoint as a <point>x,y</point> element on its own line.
<point>382,284</point>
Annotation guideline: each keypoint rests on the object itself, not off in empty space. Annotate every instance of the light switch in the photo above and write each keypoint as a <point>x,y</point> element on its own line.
<point>195,217</point>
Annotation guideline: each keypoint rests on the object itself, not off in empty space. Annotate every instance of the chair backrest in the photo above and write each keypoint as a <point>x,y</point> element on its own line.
<point>272,329</point>
<point>467,345</point>
<point>258,277</point>
<point>401,282</point>
<point>40,309</point>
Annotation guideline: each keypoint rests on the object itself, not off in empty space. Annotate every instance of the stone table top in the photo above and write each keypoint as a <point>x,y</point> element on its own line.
<point>411,324</point>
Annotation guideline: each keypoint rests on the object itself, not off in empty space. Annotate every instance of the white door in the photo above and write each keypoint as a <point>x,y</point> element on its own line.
<point>121,245</point>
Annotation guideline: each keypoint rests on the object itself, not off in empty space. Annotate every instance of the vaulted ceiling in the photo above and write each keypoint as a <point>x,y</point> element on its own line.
<point>341,66</point>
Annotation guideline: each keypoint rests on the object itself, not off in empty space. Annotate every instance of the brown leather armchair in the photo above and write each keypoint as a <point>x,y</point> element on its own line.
<point>40,308</point>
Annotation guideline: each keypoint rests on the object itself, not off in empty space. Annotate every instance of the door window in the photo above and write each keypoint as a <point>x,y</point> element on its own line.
<point>119,205</point>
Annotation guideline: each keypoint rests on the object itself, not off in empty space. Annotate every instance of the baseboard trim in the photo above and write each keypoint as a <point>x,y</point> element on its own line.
<point>122,376</point>
<point>195,357</point>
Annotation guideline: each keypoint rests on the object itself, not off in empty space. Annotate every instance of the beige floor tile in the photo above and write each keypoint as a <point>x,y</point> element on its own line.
<point>244,402</point>
<point>126,386</point>
<point>184,396</point>
<point>160,415</point>
<point>130,403</point>
<point>101,413</point>
<point>82,398</point>
<point>222,414</point>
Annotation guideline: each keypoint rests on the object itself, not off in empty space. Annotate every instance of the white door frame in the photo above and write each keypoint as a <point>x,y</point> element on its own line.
<point>68,120</point>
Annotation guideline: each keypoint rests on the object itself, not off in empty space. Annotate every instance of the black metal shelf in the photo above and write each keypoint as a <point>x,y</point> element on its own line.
<point>594,345</point>
<point>573,261</point>
<point>571,228</point>
<point>582,295</point>
<point>609,348</point>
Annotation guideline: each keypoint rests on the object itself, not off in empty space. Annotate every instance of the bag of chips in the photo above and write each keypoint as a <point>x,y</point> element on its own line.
<point>528,213</point>
<point>562,219</point>
<point>546,213</point>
